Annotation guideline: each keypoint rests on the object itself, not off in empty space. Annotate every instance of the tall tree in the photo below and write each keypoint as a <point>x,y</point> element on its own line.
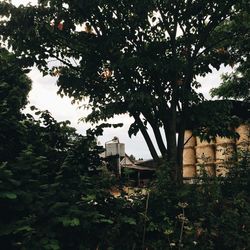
<point>14,88</point>
<point>236,85</point>
<point>139,57</point>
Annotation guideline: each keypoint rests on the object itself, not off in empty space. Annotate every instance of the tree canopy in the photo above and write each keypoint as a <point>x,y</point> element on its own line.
<point>140,57</point>
<point>14,88</point>
<point>55,192</point>
<point>236,85</point>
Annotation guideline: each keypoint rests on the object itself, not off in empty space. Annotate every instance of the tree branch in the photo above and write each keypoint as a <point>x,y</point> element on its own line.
<point>149,117</point>
<point>213,23</point>
<point>146,137</point>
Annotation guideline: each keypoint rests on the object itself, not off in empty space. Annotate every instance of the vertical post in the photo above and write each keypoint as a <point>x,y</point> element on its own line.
<point>139,178</point>
<point>118,159</point>
<point>119,165</point>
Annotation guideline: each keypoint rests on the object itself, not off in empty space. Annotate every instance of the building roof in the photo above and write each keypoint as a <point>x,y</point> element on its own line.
<point>127,162</point>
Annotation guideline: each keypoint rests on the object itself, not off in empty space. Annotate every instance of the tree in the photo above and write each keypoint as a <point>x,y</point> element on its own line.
<point>140,57</point>
<point>14,88</point>
<point>63,214</point>
<point>53,192</point>
<point>236,85</point>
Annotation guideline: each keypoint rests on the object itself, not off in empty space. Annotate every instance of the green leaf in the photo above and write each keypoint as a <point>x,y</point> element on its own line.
<point>8,195</point>
<point>23,228</point>
<point>90,197</point>
<point>69,222</point>
<point>129,220</point>
<point>48,244</point>
<point>108,221</point>
<point>33,108</point>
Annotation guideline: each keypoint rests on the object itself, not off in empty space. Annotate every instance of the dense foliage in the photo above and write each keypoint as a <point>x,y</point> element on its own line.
<point>212,214</point>
<point>55,192</point>
<point>14,87</point>
<point>236,85</point>
<point>73,209</point>
<point>139,57</point>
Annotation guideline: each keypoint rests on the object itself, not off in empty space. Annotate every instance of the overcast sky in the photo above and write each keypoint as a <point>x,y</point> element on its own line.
<point>43,96</point>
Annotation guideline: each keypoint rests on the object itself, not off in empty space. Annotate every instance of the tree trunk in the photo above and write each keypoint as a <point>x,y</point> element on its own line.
<point>174,146</point>
<point>173,154</point>
<point>172,150</point>
<point>146,137</point>
<point>158,138</point>
<point>180,147</point>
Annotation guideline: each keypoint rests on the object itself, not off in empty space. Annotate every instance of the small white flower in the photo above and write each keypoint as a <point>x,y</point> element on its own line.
<point>52,23</point>
<point>183,204</point>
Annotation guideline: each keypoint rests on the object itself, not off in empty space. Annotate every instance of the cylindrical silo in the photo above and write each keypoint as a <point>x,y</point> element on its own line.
<point>205,153</point>
<point>205,157</point>
<point>221,140</point>
<point>222,168</point>
<point>244,132</point>
<point>189,156</point>
<point>225,152</point>
<point>189,168</point>
<point>189,139</point>
<point>201,142</point>
<point>243,142</point>
<point>208,168</point>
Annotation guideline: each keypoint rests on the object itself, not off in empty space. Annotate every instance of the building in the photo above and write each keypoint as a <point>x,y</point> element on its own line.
<point>137,173</point>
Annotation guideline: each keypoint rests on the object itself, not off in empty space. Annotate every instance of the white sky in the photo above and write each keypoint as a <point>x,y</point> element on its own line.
<point>24,2</point>
<point>43,96</point>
